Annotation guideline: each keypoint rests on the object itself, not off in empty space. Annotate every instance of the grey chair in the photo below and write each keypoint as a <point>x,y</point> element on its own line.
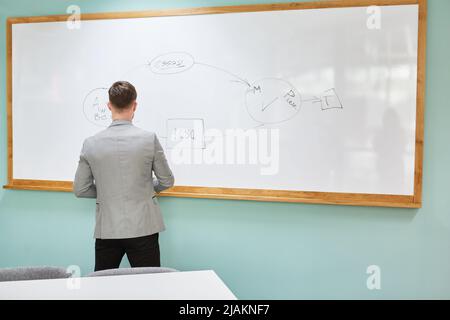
<point>33,273</point>
<point>128,271</point>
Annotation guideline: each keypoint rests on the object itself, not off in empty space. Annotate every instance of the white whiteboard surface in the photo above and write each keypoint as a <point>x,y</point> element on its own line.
<point>352,127</point>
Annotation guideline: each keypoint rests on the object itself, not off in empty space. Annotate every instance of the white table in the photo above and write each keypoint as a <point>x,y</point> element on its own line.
<point>195,285</point>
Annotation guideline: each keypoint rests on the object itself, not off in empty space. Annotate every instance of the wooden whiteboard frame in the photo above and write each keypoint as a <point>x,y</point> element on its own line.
<point>361,199</point>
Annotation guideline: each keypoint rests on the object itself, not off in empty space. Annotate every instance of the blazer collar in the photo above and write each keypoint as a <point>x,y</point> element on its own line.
<point>118,122</point>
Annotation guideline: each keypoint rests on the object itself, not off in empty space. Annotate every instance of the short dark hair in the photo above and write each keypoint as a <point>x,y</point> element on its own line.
<point>122,94</point>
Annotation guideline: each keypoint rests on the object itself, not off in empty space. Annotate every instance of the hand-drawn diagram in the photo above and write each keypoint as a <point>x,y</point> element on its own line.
<point>186,133</point>
<point>268,101</point>
<point>272,100</point>
<point>95,107</point>
<point>328,100</point>
<point>173,62</point>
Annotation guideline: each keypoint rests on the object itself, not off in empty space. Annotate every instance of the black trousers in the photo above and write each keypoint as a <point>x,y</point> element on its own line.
<point>140,251</point>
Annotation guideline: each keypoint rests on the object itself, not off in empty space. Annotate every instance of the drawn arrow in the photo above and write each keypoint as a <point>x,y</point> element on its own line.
<point>268,105</point>
<point>238,79</point>
<point>314,100</point>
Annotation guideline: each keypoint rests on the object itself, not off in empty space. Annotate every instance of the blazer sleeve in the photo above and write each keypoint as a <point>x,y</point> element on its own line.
<point>84,184</point>
<point>164,177</point>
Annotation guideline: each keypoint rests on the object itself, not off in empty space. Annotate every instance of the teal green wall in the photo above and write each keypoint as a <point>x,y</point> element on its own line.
<point>261,250</point>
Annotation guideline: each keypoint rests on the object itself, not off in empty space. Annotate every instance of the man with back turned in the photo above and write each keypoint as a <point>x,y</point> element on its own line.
<point>116,167</point>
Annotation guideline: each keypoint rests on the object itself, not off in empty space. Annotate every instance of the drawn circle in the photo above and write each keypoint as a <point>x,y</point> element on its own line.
<point>272,100</point>
<point>95,107</point>
<point>171,62</point>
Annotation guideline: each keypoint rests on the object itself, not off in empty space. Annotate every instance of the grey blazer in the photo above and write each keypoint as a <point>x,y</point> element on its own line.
<point>115,167</point>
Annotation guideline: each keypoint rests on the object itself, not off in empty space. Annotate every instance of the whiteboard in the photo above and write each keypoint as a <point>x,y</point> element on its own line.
<point>332,101</point>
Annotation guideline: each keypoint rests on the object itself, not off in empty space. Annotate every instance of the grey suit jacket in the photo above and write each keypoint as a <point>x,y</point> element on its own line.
<point>116,167</point>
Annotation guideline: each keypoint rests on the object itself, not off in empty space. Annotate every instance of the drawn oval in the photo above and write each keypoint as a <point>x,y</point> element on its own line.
<point>272,101</point>
<point>171,62</point>
<point>95,107</point>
